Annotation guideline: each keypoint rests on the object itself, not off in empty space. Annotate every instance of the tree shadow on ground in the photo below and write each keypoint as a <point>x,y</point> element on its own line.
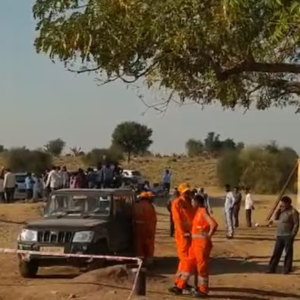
<point>218,265</point>
<point>222,265</point>
<point>255,293</point>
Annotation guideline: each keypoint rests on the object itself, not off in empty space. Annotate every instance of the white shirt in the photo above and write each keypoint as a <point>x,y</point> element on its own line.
<point>65,178</point>
<point>9,180</point>
<point>229,201</point>
<point>248,201</point>
<point>54,180</point>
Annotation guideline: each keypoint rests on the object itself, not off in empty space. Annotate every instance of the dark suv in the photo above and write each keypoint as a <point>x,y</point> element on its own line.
<point>82,221</point>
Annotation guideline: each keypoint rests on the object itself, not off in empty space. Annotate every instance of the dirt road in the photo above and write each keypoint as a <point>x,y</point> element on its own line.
<point>237,265</point>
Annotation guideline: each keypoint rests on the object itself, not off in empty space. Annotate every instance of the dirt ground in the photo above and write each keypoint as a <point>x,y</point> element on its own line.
<point>237,266</point>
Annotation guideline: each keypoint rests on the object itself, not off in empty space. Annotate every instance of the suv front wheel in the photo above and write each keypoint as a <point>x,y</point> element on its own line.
<point>28,269</point>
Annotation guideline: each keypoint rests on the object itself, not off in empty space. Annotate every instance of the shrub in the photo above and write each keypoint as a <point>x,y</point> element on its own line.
<point>55,147</point>
<point>229,168</point>
<point>25,160</point>
<point>262,168</point>
<point>99,156</point>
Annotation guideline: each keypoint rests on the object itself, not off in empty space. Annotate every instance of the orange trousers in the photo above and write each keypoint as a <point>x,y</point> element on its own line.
<point>144,244</point>
<point>183,246</point>
<point>198,258</point>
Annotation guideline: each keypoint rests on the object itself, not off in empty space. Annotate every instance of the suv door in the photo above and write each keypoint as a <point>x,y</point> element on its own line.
<point>121,236</point>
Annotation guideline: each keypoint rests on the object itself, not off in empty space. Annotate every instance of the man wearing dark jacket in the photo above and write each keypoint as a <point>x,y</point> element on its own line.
<point>288,226</point>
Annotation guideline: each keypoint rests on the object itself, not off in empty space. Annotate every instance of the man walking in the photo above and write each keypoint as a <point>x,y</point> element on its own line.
<point>288,226</point>
<point>249,206</point>
<point>228,211</point>
<point>237,206</point>
<point>9,185</point>
<point>54,180</point>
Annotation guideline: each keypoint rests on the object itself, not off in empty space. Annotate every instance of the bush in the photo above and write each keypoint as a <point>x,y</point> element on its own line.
<point>55,147</point>
<point>261,168</point>
<point>229,168</point>
<point>25,160</point>
<point>99,156</point>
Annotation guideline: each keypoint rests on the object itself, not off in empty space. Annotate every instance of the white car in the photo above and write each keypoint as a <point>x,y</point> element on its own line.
<point>133,176</point>
<point>20,191</point>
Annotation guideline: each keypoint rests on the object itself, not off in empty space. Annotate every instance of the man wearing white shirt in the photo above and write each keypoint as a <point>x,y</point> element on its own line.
<point>228,211</point>
<point>9,185</point>
<point>249,206</point>
<point>54,180</point>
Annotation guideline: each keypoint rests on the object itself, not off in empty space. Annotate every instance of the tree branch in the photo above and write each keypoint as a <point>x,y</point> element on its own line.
<point>257,67</point>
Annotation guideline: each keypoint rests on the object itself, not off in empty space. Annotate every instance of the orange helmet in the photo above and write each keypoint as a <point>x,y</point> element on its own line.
<point>144,195</point>
<point>183,187</point>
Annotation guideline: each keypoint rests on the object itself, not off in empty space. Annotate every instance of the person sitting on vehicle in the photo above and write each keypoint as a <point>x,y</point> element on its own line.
<point>145,220</point>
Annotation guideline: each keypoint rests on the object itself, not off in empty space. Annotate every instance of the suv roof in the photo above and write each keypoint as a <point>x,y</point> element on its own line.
<point>93,191</point>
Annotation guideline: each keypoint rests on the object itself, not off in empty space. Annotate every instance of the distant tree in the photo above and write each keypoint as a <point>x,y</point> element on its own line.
<point>212,143</point>
<point>133,138</point>
<point>272,147</point>
<point>99,156</point>
<point>55,147</point>
<point>228,144</point>
<point>2,149</point>
<point>25,160</point>
<point>194,147</point>
<point>240,146</point>
<point>76,151</point>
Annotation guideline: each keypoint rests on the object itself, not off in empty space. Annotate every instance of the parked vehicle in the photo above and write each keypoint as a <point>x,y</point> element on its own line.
<point>85,221</point>
<point>20,191</point>
<point>132,177</point>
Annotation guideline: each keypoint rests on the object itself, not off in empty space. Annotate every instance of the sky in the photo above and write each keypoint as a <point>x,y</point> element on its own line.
<point>41,101</point>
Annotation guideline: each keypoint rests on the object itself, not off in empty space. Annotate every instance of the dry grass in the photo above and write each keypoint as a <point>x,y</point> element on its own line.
<point>196,171</point>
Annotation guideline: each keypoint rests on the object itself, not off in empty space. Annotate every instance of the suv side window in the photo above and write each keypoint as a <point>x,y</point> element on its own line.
<point>123,205</point>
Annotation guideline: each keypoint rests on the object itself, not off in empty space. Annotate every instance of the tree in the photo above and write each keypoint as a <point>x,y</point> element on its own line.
<point>237,52</point>
<point>25,160</point>
<point>76,151</point>
<point>55,147</point>
<point>194,147</point>
<point>99,156</point>
<point>132,138</point>
<point>212,143</point>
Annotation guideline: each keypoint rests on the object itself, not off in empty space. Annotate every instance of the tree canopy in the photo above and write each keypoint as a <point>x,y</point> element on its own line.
<point>232,51</point>
<point>132,138</point>
<point>55,147</point>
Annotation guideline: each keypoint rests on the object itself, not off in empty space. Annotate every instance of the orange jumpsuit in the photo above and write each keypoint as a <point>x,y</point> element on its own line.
<point>144,229</point>
<point>183,214</point>
<point>199,251</point>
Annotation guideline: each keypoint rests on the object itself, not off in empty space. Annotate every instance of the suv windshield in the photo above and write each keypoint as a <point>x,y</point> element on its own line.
<point>20,178</point>
<point>78,204</point>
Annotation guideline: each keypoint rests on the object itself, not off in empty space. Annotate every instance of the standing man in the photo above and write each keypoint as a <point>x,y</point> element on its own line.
<point>206,200</point>
<point>65,177</point>
<point>29,183</point>
<point>144,217</point>
<point>9,185</point>
<point>228,211</point>
<point>183,215</point>
<point>249,206</point>
<point>54,181</point>
<point>288,226</point>
<point>169,206</point>
<point>237,206</point>
<point>167,180</point>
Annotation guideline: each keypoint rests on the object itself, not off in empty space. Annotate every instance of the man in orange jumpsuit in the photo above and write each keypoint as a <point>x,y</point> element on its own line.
<point>183,214</point>
<point>144,216</point>
<point>203,228</point>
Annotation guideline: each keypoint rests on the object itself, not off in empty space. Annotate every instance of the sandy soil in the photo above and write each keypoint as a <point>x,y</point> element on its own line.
<point>237,267</point>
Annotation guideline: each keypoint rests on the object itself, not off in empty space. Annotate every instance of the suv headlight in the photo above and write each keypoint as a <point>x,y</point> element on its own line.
<point>28,235</point>
<point>83,236</point>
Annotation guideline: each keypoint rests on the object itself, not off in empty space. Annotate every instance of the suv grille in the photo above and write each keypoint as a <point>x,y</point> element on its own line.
<point>50,236</point>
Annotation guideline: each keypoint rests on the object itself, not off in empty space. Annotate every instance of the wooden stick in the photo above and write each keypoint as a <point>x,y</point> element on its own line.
<point>270,215</point>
